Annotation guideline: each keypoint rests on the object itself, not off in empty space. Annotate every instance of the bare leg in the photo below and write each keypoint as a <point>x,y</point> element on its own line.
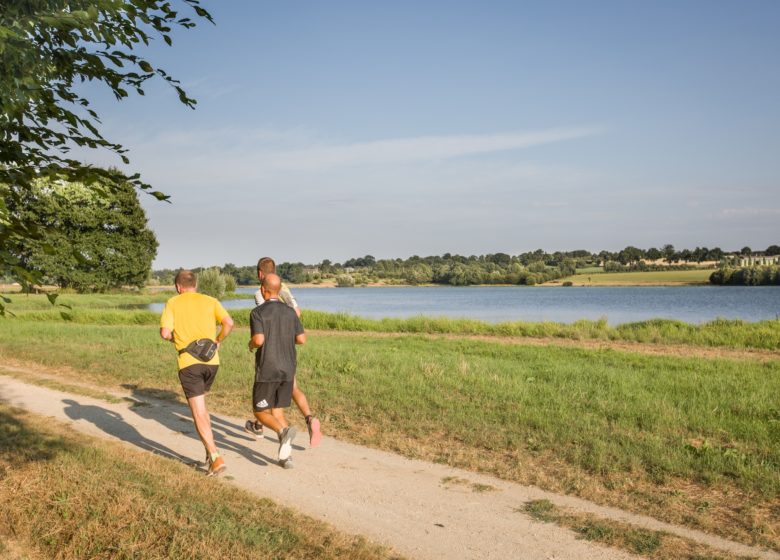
<point>202,422</point>
<point>300,399</point>
<point>273,418</point>
<point>312,424</point>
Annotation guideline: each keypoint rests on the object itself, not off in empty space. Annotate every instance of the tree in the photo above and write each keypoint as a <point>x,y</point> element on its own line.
<point>772,250</point>
<point>630,255</point>
<point>669,253</point>
<point>88,241</point>
<point>47,48</point>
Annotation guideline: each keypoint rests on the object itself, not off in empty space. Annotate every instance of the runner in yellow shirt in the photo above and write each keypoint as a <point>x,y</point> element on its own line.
<point>190,317</point>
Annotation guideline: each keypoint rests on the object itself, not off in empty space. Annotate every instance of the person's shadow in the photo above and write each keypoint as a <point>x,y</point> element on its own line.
<point>113,424</point>
<point>166,408</point>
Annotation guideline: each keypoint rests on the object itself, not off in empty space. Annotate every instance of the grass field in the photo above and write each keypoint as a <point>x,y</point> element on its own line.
<point>67,496</point>
<point>639,278</point>
<point>688,440</point>
<point>123,310</point>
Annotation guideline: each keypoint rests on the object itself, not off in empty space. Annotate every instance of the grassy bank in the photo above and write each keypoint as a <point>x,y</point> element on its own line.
<point>649,278</point>
<point>67,496</point>
<point>718,333</point>
<point>688,440</point>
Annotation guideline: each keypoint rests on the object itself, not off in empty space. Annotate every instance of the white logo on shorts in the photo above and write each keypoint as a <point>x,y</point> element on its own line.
<point>262,404</point>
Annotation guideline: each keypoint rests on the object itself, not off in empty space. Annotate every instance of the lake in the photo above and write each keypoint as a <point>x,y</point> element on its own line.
<point>692,304</point>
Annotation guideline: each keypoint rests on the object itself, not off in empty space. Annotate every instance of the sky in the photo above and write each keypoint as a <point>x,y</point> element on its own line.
<point>332,130</point>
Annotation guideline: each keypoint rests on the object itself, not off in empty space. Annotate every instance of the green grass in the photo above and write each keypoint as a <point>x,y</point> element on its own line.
<point>600,411</point>
<point>113,301</point>
<point>724,333</point>
<point>71,497</point>
<point>122,309</point>
<point>590,270</point>
<point>655,545</point>
<point>650,277</point>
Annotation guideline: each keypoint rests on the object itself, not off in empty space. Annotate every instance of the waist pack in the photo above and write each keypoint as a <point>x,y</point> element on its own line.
<point>202,349</point>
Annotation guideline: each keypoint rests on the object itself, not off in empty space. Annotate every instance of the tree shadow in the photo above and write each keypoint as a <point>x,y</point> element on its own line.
<point>23,443</point>
<point>173,415</point>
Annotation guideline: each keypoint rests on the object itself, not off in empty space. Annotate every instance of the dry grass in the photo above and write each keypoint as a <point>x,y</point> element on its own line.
<point>10,549</point>
<point>71,497</point>
<point>649,544</point>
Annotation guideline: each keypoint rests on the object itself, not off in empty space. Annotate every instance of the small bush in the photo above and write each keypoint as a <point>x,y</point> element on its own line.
<point>230,284</point>
<point>212,283</point>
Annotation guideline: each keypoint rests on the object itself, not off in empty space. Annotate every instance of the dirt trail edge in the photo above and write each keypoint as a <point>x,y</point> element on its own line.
<point>405,504</point>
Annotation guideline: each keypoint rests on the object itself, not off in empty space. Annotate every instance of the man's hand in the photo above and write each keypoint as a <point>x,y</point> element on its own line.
<point>251,348</point>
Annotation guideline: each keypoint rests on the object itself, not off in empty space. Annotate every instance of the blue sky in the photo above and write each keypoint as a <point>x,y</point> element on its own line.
<point>339,129</point>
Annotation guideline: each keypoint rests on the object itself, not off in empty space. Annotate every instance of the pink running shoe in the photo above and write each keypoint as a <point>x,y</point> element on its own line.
<point>314,432</point>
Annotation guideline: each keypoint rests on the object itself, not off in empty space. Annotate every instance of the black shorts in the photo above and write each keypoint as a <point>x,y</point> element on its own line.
<point>196,379</point>
<point>271,394</point>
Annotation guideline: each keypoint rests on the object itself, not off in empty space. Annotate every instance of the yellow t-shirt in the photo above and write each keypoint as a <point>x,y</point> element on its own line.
<point>192,316</point>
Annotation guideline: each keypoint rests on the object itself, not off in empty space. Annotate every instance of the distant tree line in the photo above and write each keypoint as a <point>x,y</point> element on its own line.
<point>530,268</point>
<point>747,276</point>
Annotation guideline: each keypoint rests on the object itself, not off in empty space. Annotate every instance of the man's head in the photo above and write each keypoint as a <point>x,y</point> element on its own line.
<point>271,286</point>
<point>266,265</point>
<point>186,281</point>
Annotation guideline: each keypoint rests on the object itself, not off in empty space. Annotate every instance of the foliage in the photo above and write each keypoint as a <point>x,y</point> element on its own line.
<point>230,284</point>
<point>212,283</point>
<point>89,240</point>
<point>47,49</point>
<point>747,276</point>
<point>345,281</point>
<point>530,268</point>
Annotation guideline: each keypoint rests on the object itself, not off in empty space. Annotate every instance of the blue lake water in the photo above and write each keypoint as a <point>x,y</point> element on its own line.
<point>692,304</point>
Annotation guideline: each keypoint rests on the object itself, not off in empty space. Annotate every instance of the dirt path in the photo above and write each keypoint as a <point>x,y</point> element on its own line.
<point>406,504</point>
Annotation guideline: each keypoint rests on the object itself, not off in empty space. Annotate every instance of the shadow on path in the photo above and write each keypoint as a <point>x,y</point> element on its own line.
<point>175,416</point>
<point>113,424</point>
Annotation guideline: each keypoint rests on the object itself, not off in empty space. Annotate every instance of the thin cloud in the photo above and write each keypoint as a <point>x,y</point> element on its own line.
<point>418,149</point>
<point>750,212</point>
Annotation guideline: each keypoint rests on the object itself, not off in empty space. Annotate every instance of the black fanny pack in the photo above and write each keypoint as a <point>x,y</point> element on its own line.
<point>202,349</point>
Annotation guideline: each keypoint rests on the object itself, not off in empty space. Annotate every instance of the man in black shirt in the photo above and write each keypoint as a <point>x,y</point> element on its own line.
<point>275,329</point>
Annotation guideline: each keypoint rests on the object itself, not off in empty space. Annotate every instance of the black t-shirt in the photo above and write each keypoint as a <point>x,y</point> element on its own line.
<point>275,360</point>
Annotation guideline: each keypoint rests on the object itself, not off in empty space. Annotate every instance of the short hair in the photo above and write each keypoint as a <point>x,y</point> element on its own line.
<point>266,265</point>
<point>186,279</point>
<point>272,283</point>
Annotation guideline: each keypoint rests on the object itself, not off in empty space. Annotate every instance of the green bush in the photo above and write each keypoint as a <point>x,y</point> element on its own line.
<point>212,283</point>
<point>230,284</point>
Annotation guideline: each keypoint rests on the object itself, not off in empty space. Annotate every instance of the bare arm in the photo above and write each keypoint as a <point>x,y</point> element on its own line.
<point>256,341</point>
<point>166,334</point>
<point>227,326</point>
<point>300,339</point>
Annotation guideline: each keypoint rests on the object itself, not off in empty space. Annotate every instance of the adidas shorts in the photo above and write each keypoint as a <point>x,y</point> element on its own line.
<point>271,394</point>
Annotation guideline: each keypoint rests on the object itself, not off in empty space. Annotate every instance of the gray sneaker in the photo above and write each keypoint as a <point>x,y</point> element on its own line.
<point>254,428</point>
<point>285,442</point>
<point>287,463</point>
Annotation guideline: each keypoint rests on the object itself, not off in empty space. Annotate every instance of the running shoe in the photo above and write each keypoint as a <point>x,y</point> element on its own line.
<point>216,466</point>
<point>254,428</point>
<point>287,463</point>
<point>285,442</point>
<point>314,431</point>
